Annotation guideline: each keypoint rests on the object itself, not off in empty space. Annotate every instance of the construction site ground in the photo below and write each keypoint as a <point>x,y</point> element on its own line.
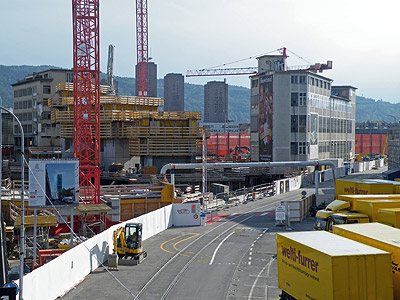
<point>176,268</point>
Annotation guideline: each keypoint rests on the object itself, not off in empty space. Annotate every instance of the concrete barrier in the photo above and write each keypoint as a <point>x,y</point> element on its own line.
<point>58,276</point>
<point>288,184</point>
<point>186,214</point>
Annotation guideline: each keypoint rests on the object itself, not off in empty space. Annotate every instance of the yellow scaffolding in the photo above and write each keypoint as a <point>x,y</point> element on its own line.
<point>150,132</point>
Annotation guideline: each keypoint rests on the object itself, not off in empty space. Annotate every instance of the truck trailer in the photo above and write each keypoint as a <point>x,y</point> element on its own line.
<point>318,265</point>
<point>380,236</point>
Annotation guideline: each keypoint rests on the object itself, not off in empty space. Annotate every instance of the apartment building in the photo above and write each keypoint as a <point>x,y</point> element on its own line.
<point>297,115</point>
<point>31,106</point>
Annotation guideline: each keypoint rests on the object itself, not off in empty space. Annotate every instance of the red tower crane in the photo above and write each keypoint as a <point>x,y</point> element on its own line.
<point>85,14</point>
<point>142,71</point>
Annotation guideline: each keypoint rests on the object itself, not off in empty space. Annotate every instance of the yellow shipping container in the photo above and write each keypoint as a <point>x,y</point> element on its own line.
<point>366,187</point>
<point>389,216</point>
<point>322,266</point>
<point>353,198</point>
<point>379,236</point>
<point>370,208</point>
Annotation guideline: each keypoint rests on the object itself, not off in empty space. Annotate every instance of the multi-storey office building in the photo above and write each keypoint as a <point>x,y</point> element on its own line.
<point>216,102</point>
<point>30,99</point>
<point>298,115</point>
<point>174,99</point>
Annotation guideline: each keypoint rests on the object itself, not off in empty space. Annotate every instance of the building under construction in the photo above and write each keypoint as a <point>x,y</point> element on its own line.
<point>132,130</point>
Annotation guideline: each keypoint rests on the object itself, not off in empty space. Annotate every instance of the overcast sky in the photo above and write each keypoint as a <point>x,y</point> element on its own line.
<point>361,37</point>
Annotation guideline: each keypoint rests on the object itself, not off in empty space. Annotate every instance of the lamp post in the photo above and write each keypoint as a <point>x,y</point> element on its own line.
<point>22,228</point>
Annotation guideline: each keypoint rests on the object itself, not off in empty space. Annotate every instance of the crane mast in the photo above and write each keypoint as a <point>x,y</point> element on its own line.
<point>110,71</point>
<point>142,71</point>
<point>85,14</point>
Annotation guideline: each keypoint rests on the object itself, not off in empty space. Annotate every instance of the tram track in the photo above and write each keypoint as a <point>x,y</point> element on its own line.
<point>220,230</point>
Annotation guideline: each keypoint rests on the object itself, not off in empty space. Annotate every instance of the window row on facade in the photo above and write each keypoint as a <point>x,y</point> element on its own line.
<point>298,123</point>
<point>23,104</point>
<point>334,125</point>
<point>302,79</point>
<point>31,91</point>
<point>337,147</point>
<point>324,102</point>
<point>27,128</point>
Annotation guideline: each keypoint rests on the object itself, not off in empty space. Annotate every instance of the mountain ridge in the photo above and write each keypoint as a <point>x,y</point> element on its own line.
<point>367,109</point>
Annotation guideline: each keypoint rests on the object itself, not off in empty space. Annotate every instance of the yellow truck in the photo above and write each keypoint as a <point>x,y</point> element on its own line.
<point>380,236</point>
<point>320,265</point>
<point>370,208</point>
<point>366,187</point>
<point>389,216</point>
<point>352,199</point>
<point>367,211</point>
<point>322,217</point>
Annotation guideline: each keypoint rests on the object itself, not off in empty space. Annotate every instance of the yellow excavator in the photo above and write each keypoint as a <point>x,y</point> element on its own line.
<point>127,245</point>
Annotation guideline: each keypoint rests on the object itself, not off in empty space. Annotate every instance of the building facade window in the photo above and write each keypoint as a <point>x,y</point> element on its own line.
<point>302,99</point>
<point>302,148</point>
<point>47,89</point>
<point>294,124</point>
<point>293,148</point>
<point>70,77</point>
<point>302,123</point>
<point>294,99</point>
<point>294,79</point>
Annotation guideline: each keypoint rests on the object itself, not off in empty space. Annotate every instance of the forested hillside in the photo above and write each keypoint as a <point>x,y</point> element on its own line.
<point>239,97</point>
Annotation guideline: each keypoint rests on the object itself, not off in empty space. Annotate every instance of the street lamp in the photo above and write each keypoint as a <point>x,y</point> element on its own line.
<point>22,228</point>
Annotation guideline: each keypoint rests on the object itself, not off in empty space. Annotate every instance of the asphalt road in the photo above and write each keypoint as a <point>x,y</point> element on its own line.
<point>232,258</point>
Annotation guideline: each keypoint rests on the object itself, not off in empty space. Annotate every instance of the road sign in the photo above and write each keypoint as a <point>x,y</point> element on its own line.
<point>280,213</point>
<point>9,292</point>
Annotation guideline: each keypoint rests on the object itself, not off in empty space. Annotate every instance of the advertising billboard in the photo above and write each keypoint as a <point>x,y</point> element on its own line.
<point>265,117</point>
<point>313,136</point>
<point>53,183</point>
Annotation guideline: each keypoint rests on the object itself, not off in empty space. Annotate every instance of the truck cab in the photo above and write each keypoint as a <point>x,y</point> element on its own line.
<point>323,217</point>
<point>347,218</point>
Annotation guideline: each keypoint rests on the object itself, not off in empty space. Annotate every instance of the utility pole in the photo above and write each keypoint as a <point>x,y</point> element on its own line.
<point>204,169</point>
<point>22,228</point>
<point>3,258</point>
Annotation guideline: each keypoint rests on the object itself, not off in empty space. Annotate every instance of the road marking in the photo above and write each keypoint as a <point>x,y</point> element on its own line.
<point>215,252</point>
<point>194,235</point>
<point>162,245</point>
<point>258,276</point>
<point>263,214</point>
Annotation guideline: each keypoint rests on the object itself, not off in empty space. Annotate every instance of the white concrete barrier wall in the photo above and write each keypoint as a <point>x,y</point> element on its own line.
<point>61,274</point>
<point>186,214</point>
<point>295,183</point>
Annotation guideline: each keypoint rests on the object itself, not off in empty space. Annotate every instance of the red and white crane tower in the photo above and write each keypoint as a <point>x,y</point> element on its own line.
<point>142,34</point>
<point>85,14</point>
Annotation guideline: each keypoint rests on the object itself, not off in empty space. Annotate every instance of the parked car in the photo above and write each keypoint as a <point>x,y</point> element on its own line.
<point>68,200</point>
